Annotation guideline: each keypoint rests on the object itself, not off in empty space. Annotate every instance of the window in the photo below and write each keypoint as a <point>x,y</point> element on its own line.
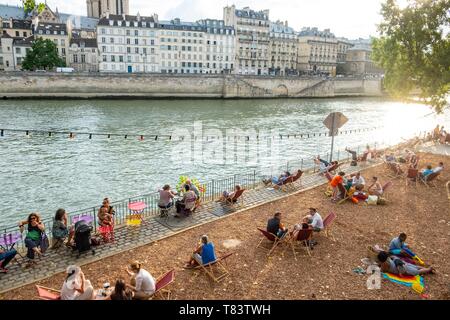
<point>104,49</point>
<point>17,34</point>
<point>102,31</point>
<point>136,33</point>
<point>104,58</point>
<point>18,50</point>
<point>103,40</point>
<point>63,51</point>
<point>83,58</point>
<point>113,58</point>
<point>152,42</point>
<point>63,42</point>
<point>136,50</point>
<point>120,58</point>
<point>111,40</point>
<point>136,41</point>
<point>75,58</point>
<point>128,41</point>
<point>128,32</point>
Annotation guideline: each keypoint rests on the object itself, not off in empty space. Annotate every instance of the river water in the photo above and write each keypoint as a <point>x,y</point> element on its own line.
<point>42,173</point>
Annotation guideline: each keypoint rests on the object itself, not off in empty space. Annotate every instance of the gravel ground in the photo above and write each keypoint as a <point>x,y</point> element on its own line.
<point>423,213</point>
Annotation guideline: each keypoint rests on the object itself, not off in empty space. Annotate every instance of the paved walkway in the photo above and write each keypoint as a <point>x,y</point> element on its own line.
<point>152,229</point>
<point>431,147</point>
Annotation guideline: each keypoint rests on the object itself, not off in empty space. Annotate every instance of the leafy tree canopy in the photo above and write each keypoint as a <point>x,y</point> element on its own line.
<point>414,49</point>
<point>43,56</point>
<point>30,5</point>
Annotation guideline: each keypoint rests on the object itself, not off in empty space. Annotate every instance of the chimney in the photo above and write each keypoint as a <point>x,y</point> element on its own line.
<point>138,17</point>
<point>155,17</point>
<point>123,16</point>
<point>286,23</point>
<point>107,14</point>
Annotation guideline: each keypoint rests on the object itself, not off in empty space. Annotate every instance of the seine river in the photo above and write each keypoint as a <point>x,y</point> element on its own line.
<point>221,138</point>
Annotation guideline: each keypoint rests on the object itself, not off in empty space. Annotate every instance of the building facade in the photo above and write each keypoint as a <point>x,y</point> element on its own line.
<point>359,61</point>
<point>13,51</point>
<point>83,54</point>
<point>252,39</point>
<point>99,8</point>
<point>219,47</point>
<point>15,27</point>
<point>342,47</point>
<point>317,51</point>
<point>283,49</point>
<point>59,33</point>
<point>128,43</point>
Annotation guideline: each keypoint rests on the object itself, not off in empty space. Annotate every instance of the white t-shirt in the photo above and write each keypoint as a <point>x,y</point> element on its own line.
<point>68,291</point>
<point>438,169</point>
<point>317,221</point>
<point>145,282</point>
<point>356,181</point>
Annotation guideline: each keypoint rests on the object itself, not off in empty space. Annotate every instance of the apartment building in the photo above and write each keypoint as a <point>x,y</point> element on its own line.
<point>252,39</point>
<point>83,54</point>
<point>283,49</point>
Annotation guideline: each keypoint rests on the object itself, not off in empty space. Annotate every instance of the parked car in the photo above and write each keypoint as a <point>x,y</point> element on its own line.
<point>65,70</point>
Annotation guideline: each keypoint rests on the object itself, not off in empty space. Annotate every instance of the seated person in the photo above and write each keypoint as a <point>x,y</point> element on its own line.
<point>76,287</point>
<point>191,187</point>
<point>315,220</point>
<point>332,166</point>
<point>359,193</point>
<point>278,180</point>
<point>203,254</point>
<point>390,158</point>
<point>414,162</point>
<point>142,283</point>
<point>322,165</point>
<point>275,226</point>
<point>303,226</point>
<point>427,171</point>
<point>358,180</point>
<point>228,196</point>
<point>5,258</point>
<point>104,218</point>
<point>375,187</point>
<point>395,265</point>
<point>439,168</point>
<point>60,230</point>
<point>121,292</point>
<point>337,179</point>
<point>33,238</point>
<point>398,247</point>
<point>166,197</point>
<point>187,204</point>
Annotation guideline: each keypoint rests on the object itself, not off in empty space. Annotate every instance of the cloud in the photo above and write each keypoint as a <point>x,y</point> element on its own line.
<point>345,18</point>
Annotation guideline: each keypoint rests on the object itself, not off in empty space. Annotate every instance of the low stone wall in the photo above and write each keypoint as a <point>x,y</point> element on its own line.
<point>57,85</point>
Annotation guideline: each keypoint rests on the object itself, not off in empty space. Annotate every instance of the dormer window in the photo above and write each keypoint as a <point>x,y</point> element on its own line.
<point>62,32</point>
<point>127,23</point>
<point>111,22</point>
<point>119,23</point>
<point>47,32</point>
<point>144,24</point>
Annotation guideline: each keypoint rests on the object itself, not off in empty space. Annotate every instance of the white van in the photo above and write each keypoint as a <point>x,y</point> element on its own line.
<point>65,69</point>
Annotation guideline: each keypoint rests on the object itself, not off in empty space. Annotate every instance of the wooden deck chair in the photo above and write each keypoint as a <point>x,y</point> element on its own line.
<point>412,176</point>
<point>385,187</point>
<point>301,240</point>
<point>284,186</point>
<point>237,200</point>
<point>327,223</point>
<point>221,271</point>
<point>429,179</point>
<point>343,193</point>
<point>48,293</point>
<point>296,178</point>
<point>268,236</point>
<point>162,282</point>
<point>394,170</point>
<point>334,168</point>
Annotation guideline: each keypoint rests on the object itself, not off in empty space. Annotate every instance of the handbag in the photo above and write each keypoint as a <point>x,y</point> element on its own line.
<point>44,242</point>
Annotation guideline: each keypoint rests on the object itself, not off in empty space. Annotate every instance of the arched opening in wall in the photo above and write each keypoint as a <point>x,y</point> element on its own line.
<point>281,91</point>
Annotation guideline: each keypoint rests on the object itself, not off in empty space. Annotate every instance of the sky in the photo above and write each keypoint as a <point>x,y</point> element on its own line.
<point>346,18</point>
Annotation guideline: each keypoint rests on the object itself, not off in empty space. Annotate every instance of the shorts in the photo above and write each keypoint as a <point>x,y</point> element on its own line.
<point>197,258</point>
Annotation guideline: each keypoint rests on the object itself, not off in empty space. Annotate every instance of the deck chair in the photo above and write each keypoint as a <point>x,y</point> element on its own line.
<point>385,187</point>
<point>237,200</point>
<point>429,179</point>
<point>394,170</point>
<point>134,219</point>
<point>163,282</point>
<point>334,167</point>
<point>301,240</point>
<point>327,223</point>
<point>48,293</point>
<point>343,193</point>
<point>268,236</point>
<point>412,176</point>
<point>284,186</point>
<point>209,268</point>
<point>295,179</point>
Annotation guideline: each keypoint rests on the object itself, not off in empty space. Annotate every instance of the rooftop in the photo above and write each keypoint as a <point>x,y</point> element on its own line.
<point>84,42</point>
<point>246,12</point>
<point>316,33</point>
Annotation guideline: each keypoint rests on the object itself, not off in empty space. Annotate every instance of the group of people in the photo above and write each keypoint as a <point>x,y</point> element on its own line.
<point>142,285</point>
<point>400,259</point>
<point>354,185</point>
<point>440,135</point>
<point>313,220</point>
<point>325,166</point>
<point>278,181</point>
<point>185,205</point>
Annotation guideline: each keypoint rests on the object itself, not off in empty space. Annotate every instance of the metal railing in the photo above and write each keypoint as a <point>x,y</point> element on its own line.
<point>213,191</point>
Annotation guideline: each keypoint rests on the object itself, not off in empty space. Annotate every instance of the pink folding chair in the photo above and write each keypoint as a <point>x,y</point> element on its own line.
<point>327,223</point>
<point>162,282</point>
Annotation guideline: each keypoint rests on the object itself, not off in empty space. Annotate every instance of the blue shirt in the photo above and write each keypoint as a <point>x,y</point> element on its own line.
<point>208,254</point>
<point>396,243</point>
<point>427,172</point>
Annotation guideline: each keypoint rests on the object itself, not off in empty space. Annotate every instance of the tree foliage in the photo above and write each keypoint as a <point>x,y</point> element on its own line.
<point>30,5</point>
<point>414,49</point>
<point>43,56</point>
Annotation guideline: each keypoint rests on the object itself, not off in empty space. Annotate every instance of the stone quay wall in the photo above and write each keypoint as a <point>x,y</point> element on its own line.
<point>79,85</point>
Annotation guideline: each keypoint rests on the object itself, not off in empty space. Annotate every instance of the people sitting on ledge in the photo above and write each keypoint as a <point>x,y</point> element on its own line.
<point>5,257</point>
<point>203,254</point>
<point>395,265</point>
<point>275,226</point>
<point>375,187</point>
<point>228,196</point>
<point>60,229</point>
<point>277,180</point>
<point>104,218</point>
<point>33,238</point>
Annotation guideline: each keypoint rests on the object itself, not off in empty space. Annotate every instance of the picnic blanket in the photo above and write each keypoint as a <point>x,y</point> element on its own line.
<point>414,282</point>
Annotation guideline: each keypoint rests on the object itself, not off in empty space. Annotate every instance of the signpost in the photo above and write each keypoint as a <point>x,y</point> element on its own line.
<point>333,122</point>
